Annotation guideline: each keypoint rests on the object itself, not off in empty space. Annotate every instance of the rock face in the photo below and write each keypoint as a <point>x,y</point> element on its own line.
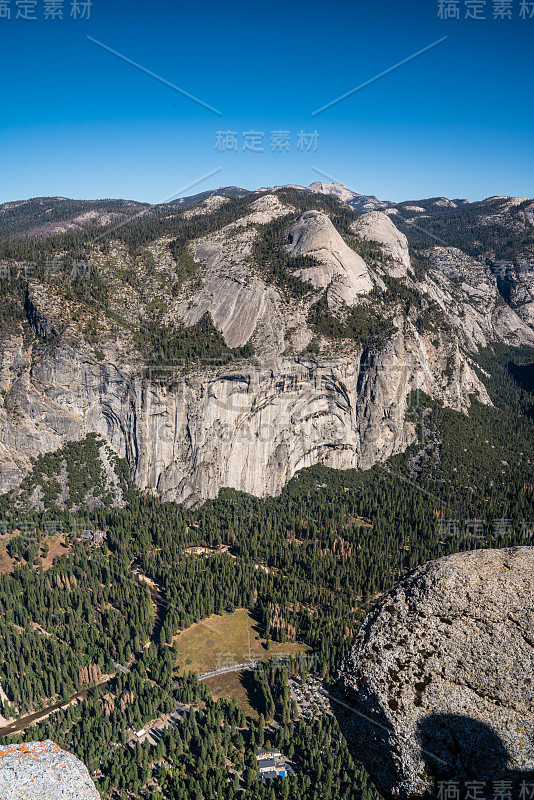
<point>378,227</point>
<point>339,268</point>
<point>42,771</point>
<point>359,202</point>
<point>468,291</point>
<point>439,683</point>
<point>249,425</point>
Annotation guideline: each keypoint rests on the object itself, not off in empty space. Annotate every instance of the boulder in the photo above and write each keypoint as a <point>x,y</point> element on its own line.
<point>43,771</point>
<point>439,684</point>
<point>338,267</point>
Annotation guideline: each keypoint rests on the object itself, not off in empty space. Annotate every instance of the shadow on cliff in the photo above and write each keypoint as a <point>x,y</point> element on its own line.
<point>462,749</point>
<point>455,749</point>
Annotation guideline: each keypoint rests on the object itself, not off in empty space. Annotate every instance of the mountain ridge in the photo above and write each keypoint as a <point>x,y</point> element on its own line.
<point>240,339</point>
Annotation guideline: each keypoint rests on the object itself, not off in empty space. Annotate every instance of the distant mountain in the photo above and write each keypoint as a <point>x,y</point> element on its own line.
<point>359,202</point>
<point>223,191</point>
<point>47,216</point>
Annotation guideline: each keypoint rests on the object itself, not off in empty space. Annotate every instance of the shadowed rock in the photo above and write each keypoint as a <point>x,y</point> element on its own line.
<point>439,682</point>
<point>463,750</point>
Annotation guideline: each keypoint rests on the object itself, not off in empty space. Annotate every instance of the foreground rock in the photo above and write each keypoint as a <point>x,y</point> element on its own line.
<point>42,771</point>
<point>439,683</point>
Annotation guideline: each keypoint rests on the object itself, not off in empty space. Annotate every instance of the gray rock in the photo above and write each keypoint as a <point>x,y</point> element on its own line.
<point>439,683</point>
<point>338,267</point>
<point>254,424</point>
<point>42,771</point>
<point>229,426</point>
<point>377,227</point>
<point>467,291</point>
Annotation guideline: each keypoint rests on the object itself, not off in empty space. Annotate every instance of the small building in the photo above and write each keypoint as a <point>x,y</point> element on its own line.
<point>269,776</point>
<point>95,537</point>
<point>272,764</point>
<point>271,752</point>
<point>266,765</point>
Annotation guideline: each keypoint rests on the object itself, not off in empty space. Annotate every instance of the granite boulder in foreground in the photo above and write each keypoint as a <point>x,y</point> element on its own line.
<point>439,684</point>
<point>42,771</point>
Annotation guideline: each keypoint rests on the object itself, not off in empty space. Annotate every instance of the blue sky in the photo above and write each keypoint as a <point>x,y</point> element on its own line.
<point>80,122</point>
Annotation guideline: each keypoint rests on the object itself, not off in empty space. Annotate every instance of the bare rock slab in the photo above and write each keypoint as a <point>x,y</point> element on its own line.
<point>43,771</point>
<point>439,684</point>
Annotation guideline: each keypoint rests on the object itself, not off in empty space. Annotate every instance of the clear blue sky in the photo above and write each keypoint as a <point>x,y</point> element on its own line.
<point>80,122</point>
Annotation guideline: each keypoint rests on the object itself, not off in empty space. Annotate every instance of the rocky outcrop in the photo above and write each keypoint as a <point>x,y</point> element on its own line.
<point>467,291</point>
<point>206,206</point>
<point>359,202</point>
<point>42,323</point>
<point>237,299</point>
<point>250,427</point>
<point>378,227</point>
<point>339,269</point>
<point>42,771</point>
<point>438,684</point>
<point>518,281</point>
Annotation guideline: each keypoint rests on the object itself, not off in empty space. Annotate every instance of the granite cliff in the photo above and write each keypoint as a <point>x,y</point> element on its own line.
<point>340,326</point>
<point>438,684</point>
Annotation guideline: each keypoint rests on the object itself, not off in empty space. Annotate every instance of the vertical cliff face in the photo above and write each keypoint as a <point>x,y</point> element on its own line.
<point>251,425</point>
<point>42,771</point>
<point>253,429</point>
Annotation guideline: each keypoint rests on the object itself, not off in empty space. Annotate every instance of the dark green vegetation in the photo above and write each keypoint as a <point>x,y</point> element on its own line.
<point>277,265</point>
<point>274,264</point>
<point>83,612</point>
<point>135,234</point>
<point>361,325</point>
<point>72,478</point>
<point>83,267</point>
<point>181,345</point>
<point>212,751</point>
<point>475,228</point>
<point>40,213</point>
<point>307,564</point>
<point>12,308</point>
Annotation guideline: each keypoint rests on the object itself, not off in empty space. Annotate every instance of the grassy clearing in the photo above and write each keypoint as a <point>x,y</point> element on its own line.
<point>7,564</point>
<point>235,686</point>
<point>221,641</point>
<point>57,548</point>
